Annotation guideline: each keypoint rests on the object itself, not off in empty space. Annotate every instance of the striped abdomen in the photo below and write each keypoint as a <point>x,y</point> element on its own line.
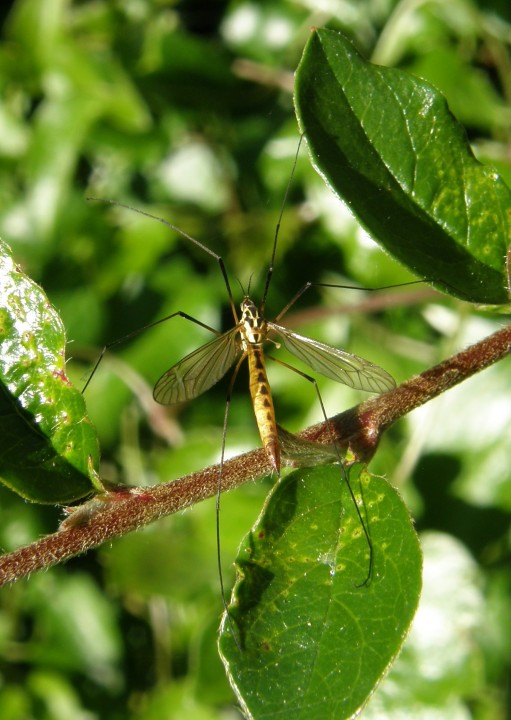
<point>263,404</point>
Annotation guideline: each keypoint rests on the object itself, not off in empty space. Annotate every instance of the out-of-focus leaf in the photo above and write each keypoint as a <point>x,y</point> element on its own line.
<point>473,97</point>
<point>78,628</point>
<point>442,662</point>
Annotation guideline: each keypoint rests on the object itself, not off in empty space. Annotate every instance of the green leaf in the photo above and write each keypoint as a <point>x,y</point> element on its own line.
<point>387,143</point>
<point>313,640</point>
<point>49,447</point>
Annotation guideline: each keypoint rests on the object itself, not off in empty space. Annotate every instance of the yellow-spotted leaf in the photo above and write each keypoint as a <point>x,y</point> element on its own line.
<point>313,634</point>
<point>49,449</point>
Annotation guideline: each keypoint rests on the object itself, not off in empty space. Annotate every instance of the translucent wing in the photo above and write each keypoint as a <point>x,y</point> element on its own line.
<point>337,364</point>
<point>199,370</point>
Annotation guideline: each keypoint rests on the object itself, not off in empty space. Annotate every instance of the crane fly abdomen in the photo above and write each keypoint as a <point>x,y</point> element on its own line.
<point>263,405</point>
<point>254,329</point>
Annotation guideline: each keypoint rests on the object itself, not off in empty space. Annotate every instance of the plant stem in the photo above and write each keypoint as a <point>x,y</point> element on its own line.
<point>359,429</point>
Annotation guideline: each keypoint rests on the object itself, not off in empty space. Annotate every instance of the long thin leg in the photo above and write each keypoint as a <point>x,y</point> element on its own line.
<point>119,341</point>
<point>219,492</point>
<point>344,475</point>
<point>309,285</point>
<point>184,234</point>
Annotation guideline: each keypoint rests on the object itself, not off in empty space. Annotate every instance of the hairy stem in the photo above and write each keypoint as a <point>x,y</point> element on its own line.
<point>358,428</point>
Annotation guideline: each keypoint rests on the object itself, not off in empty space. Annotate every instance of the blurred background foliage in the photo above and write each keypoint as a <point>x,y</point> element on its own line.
<point>184,110</point>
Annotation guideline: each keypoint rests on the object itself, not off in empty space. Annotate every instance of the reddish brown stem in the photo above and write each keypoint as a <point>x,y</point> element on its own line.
<point>360,428</point>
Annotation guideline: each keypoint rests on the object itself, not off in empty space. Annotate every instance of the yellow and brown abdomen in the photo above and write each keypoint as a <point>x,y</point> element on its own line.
<point>263,405</point>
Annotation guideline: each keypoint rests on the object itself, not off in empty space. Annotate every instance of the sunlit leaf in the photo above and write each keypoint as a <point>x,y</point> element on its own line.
<point>49,447</point>
<point>389,146</point>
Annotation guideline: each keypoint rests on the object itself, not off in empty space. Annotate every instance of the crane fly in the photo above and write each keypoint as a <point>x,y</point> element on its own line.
<point>204,367</point>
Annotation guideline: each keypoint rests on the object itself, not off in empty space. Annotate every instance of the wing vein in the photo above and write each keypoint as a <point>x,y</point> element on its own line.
<point>339,365</point>
<point>198,371</point>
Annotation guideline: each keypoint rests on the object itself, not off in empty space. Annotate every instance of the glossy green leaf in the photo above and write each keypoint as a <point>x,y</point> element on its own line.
<point>389,146</point>
<point>49,447</point>
<point>313,640</point>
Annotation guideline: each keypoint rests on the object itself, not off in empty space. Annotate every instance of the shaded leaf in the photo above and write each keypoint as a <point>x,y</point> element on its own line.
<point>313,639</point>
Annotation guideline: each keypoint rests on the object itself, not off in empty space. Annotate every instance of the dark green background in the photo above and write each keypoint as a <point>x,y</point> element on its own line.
<point>112,100</point>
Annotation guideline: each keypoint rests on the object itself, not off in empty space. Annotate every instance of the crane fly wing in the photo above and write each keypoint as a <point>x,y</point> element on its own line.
<point>336,364</point>
<point>199,370</point>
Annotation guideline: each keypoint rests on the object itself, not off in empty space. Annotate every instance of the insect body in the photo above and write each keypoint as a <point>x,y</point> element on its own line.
<point>254,331</point>
<point>201,369</point>
<point>204,367</point>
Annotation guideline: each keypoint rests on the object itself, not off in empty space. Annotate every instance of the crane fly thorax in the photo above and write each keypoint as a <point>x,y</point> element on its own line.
<point>253,326</point>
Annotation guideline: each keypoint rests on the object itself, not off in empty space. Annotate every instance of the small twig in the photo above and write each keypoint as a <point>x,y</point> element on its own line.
<point>370,304</point>
<point>261,74</point>
<point>359,428</point>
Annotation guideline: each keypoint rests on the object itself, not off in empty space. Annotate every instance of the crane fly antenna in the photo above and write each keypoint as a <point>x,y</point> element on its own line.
<point>269,272</point>
<point>183,234</point>
<point>249,284</point>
